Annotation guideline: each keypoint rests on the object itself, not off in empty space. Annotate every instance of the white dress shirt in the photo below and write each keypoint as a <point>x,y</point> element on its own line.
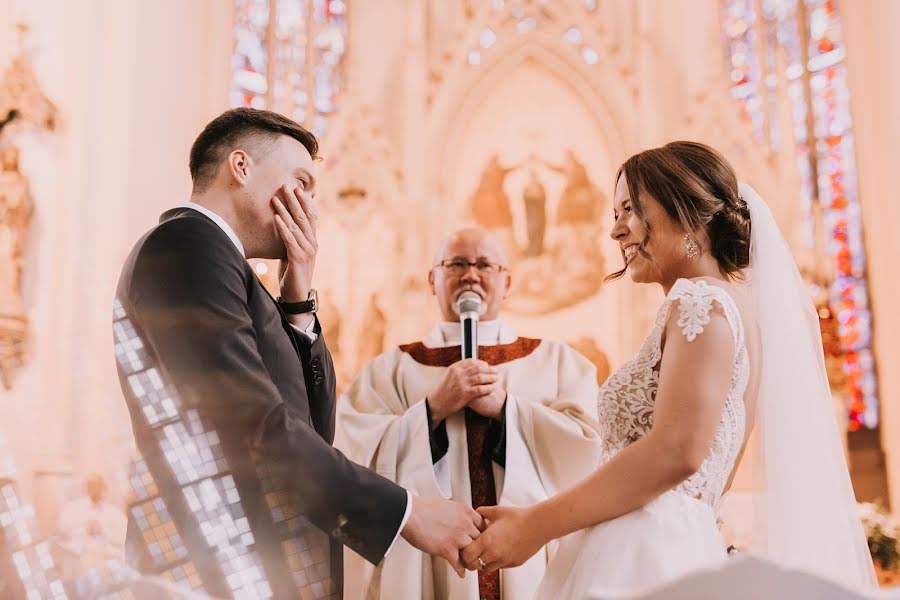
<point>308,332</point>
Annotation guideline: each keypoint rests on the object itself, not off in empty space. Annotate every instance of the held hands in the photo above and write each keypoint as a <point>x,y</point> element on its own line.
<point>511,539</point>
<point>472,383</point>
<point>295,221</point>
<point>442,528</point>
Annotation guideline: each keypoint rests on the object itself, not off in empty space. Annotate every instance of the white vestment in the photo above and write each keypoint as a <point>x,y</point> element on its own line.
<point>90,534</point>
<point>551,443</point>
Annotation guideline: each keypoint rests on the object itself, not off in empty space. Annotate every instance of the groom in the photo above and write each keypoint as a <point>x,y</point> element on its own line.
<point>232,392</point>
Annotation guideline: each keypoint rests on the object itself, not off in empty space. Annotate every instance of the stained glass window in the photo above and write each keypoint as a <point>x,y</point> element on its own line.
<point>288,57</point>
<point>22,556</point>
<point>797,46</point>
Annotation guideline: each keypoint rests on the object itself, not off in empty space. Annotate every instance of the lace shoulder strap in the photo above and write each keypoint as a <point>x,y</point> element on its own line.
<point>694,302</point>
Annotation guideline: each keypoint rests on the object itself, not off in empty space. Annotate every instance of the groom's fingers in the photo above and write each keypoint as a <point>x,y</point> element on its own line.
<point>301,212</point>
<point>311,214</point>
<point>299,228</point>
<point>457,565</point>
<point>296,238</point>
<point>480,521</point>
<point>286,236</point>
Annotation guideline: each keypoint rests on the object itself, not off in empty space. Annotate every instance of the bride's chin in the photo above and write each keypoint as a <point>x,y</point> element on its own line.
<point>636,275</point>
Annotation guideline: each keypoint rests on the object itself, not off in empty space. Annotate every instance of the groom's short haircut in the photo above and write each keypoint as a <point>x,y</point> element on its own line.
<point>252,130</point>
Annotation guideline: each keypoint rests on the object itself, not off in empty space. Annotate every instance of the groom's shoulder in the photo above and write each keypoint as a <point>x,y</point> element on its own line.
<point>183,242</point>
<point>185,226</point>
<point>182,231</point>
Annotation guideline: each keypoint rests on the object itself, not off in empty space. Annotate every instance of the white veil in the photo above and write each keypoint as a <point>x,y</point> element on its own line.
<point>804,507</point>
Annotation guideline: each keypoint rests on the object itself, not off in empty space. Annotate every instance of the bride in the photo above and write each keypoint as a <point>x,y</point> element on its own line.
<point>731,373</point>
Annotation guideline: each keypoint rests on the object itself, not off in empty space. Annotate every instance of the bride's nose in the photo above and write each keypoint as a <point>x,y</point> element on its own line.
<point>619,230</point>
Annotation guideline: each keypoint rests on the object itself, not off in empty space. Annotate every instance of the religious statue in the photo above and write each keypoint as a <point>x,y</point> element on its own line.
<point>16,208</point>
<point>563,260</point>
<point>580,201</point>
<point>20,92</point>
<point>535,198</point>
<point>22,104</point>
<point>490,203</point>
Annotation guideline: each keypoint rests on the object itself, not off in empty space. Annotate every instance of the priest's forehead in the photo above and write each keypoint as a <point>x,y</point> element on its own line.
<point>471,243</point>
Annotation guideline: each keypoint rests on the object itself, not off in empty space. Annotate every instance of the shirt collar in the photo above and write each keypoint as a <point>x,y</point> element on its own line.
<point>488,332</point>
<point>223,225</point>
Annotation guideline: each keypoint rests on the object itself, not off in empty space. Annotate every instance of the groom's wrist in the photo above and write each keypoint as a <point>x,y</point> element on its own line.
<point>301,321</point>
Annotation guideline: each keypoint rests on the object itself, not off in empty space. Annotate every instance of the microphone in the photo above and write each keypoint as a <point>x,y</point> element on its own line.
<point>469,308</point>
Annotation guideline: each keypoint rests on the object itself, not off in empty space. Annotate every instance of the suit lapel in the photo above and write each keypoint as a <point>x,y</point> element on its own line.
<point>285,323</point>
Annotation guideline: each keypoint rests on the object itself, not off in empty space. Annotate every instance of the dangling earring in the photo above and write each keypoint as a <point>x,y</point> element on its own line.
<point>690,246</point>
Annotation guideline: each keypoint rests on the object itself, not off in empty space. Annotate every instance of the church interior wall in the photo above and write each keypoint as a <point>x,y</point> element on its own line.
<point>416,128</point>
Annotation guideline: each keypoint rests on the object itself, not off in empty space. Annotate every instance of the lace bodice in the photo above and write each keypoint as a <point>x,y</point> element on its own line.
<point>625,403</point>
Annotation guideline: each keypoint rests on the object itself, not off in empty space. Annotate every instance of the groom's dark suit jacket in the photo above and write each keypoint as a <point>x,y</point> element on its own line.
<point>233,412</point>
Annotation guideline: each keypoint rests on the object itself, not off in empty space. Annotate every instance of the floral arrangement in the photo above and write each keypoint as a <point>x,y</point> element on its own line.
<point>882,533</point>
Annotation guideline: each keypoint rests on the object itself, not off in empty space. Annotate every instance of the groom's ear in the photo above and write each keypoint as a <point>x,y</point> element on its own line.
<point>238,165</point>
<point>431,282</point>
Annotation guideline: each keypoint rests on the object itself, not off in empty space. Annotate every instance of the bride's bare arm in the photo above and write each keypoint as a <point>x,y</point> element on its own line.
<point>693,386</point>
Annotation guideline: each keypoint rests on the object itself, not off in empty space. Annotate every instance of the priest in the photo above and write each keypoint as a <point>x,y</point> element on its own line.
<point>512,427</point>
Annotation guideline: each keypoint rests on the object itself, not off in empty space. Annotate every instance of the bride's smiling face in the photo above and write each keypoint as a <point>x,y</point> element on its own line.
<point>663,253</point>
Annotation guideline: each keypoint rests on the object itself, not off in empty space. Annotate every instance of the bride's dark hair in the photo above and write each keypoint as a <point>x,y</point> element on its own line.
<point>699,189</point>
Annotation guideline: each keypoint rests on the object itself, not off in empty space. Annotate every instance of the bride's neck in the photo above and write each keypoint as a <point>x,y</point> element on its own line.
<point>704,265</point>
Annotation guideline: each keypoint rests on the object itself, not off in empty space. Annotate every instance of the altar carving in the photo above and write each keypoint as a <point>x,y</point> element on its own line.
<point>22,105</point>
<point>561,262</point>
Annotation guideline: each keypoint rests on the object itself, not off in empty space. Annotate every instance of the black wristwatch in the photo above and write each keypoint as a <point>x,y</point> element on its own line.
<point>310,305</point>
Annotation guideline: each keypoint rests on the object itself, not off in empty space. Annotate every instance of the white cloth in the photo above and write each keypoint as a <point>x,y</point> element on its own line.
<point>309,332</point>
<point>90,534</point>
<point>677,532</point>
<point>551,444</point>
<point>805,513</point>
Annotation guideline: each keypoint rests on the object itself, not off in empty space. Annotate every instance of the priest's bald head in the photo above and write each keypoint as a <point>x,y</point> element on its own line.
<point>470,259</point>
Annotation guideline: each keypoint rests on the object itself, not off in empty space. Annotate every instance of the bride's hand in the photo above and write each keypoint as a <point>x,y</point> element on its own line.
<point>509,541</point>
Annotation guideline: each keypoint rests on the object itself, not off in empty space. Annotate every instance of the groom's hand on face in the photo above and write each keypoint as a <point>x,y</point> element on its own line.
<point>442,528</point>
<point>295,221</point>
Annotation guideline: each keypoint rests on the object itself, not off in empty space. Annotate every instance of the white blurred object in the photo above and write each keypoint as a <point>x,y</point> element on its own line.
<point>748,577</point>
<point>91,530</point>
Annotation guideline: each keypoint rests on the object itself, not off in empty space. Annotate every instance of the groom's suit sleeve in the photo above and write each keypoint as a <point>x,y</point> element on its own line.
<point>189,291</point>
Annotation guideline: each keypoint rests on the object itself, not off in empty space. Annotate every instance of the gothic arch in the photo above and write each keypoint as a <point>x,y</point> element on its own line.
<point>606,94</point>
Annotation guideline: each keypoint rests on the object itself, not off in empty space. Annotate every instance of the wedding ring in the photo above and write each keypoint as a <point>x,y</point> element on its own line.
<point>481,563</point>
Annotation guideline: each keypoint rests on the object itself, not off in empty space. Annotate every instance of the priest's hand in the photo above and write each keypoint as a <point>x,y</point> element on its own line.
<point>511,539</point>
<point>295,221</point>
<point>491,405</point>
<point>463,382</point>
<point>442,528</point>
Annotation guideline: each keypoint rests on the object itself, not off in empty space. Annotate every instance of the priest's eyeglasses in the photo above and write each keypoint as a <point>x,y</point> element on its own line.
<point>459,266</point>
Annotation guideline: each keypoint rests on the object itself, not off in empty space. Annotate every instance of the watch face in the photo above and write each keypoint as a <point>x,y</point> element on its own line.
<point>314,300</point>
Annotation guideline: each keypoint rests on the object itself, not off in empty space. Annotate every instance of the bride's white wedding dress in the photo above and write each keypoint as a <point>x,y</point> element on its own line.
<point>677,532</point>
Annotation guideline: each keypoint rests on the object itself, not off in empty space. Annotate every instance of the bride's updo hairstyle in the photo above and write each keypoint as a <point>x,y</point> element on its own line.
<point>699,189</point>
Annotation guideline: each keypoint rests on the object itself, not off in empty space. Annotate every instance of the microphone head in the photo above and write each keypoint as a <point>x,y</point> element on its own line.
<point>469,302</point>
